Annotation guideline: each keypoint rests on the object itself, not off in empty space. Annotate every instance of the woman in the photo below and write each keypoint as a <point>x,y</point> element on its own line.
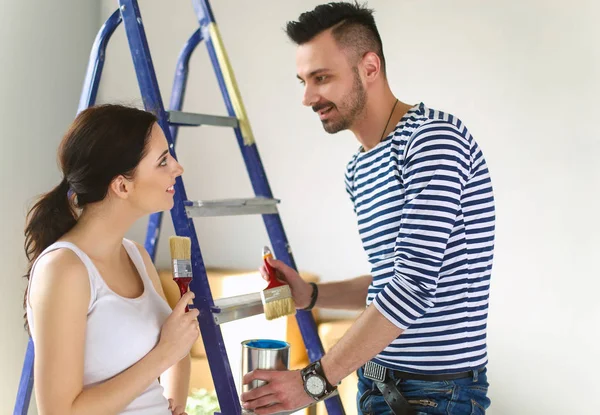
<point>102,329</point>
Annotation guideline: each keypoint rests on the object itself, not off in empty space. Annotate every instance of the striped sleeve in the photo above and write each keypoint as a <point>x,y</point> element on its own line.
<point>435,170</point>
<point>347,182</point>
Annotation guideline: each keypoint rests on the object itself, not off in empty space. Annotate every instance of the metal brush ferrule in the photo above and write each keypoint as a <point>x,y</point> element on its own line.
<point>182,268</point>
<point>266,251</point>
<point>282,292</point>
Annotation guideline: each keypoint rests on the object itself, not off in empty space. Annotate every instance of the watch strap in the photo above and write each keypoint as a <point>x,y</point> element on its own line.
<point>317,369</point>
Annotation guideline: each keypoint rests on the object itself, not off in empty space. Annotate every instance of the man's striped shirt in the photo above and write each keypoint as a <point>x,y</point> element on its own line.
<point>425,209</point>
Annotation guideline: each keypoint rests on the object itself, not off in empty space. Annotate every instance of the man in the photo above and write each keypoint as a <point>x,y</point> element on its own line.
<point>424,203</point>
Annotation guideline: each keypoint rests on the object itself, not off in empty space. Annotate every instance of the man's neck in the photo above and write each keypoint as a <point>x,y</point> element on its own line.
<point>371,127</point>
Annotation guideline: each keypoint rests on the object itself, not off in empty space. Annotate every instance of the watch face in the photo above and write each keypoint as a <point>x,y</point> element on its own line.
<point>315,385</point>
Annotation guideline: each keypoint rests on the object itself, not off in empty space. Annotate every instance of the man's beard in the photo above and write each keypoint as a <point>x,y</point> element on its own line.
<point>351,106</point>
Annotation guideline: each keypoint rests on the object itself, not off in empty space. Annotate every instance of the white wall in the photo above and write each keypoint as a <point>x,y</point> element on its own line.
<point>522,75</point>
<point>44,48</point>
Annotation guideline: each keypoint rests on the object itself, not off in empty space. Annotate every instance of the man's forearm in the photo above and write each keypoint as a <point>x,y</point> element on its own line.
<point>368,336</point>
<point>345,295</point>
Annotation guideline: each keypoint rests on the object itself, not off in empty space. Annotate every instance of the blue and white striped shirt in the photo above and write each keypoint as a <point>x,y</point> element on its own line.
<point>425,209</point>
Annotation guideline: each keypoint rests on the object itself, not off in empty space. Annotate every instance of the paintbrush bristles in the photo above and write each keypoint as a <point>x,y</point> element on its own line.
<point>278,302</point>
<point>279,308</point>
<point>181,247</point>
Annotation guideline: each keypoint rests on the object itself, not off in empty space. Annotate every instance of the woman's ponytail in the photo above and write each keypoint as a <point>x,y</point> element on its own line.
<point>50,218</point>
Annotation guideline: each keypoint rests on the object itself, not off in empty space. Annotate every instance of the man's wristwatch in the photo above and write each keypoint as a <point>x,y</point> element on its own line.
<point>316,384</point>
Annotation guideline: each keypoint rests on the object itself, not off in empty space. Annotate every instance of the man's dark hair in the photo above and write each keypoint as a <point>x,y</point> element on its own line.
<point>353,26</point>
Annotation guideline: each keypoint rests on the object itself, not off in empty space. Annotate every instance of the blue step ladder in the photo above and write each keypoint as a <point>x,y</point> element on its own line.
<point>212,312</point>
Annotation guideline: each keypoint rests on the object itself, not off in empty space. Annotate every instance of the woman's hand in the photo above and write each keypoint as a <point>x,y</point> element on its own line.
<point>179,331</point>
<point>177,410</point>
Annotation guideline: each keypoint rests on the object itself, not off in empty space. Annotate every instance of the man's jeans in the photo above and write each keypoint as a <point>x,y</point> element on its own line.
<point>462,396</point>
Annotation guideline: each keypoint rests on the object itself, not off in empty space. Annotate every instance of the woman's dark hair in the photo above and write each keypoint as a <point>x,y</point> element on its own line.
<point>103,142</point>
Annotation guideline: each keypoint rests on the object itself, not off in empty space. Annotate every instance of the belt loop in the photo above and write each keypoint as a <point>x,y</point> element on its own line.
<point>475,375</point>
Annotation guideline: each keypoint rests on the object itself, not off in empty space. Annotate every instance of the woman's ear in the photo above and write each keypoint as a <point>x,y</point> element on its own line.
<point>121,187</point>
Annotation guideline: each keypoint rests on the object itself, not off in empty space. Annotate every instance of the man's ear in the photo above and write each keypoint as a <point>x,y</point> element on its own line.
<point>371,66</point>
<point>121,187</point>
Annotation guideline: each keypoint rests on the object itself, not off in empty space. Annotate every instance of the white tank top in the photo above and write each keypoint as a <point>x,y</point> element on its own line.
<point>120,331</point>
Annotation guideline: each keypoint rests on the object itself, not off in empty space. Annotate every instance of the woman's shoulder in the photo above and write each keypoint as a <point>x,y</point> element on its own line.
<point>59,273</point>
<point>63,259</point>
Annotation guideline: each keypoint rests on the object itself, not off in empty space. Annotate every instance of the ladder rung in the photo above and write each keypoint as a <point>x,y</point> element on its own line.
<point>231,207</point>
<point>188,118</point>
<point>237,307</point>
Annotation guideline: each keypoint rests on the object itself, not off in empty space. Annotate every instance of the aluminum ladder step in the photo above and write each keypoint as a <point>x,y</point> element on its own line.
<point>181,118</point>
<point>231,207</point>
<point>237,307</point>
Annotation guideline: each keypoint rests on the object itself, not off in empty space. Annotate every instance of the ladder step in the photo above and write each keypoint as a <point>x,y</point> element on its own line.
<point>237,307</point>
<point>191,119</point>
<point>231,207</point>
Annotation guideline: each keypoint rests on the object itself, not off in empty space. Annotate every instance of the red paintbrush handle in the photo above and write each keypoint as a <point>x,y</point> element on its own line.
<point>273,281</point>
<point>183,284</point>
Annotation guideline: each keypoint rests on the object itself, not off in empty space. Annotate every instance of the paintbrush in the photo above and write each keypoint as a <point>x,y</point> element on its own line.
<point>277,297</point>
<point>181,256</point>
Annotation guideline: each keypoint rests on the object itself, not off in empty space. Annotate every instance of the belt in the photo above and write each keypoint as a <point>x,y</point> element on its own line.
<point>387,384</point>
<point>375,371</point>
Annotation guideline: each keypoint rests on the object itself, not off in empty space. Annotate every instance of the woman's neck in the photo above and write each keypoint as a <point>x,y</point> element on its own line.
<point>100,230</point>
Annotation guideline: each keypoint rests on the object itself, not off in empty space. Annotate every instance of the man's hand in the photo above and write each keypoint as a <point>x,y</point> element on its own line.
<point>283,392</point>
<point>301,290</point>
